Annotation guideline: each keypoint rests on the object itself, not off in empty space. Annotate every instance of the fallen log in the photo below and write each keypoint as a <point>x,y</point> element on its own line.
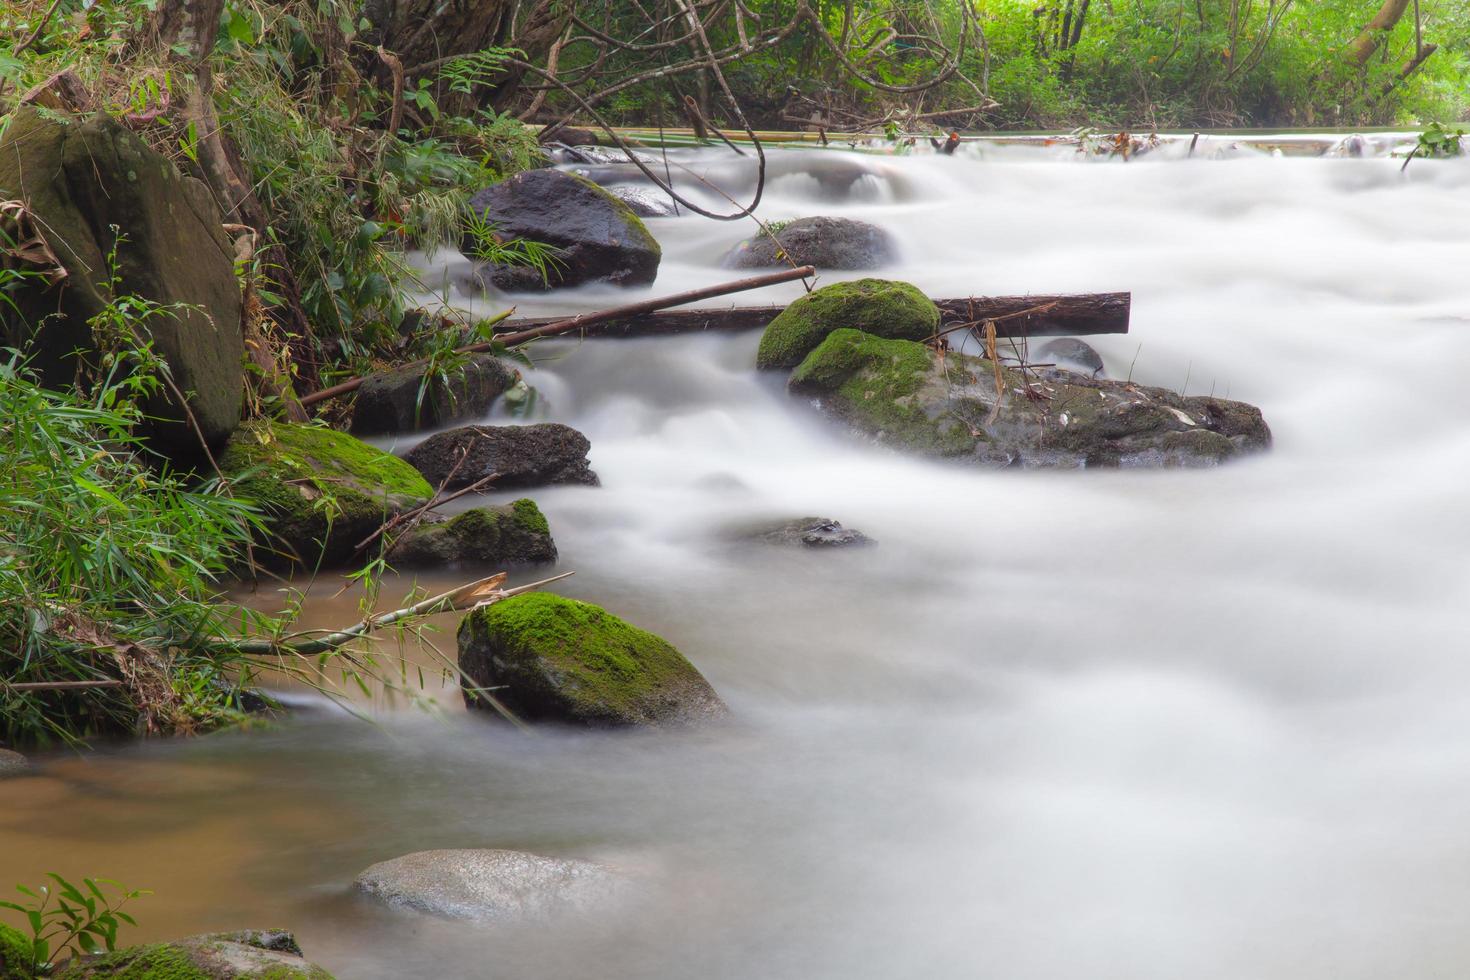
<point>547,327</point>
<point>1071,315</point>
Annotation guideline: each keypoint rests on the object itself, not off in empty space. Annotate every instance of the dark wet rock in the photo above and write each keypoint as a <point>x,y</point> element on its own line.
<point>599,237</point>
<point>288,469</point>
<point>646,202</point>
<point>490,884</point>
<point>13,764</point>
<point>389,403</point>
<point>501,535</point>
<point>550,658</point>
<point>898,393</point>
<point>79,179</point>
<point>806,532</point>
<point>827,243</point>
<point>881,307</point>
<point>521,455</point>
<point>1069,352</point>
<point>250,955</point>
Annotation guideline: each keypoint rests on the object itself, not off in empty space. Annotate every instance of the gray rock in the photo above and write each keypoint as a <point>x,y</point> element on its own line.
<point>807,532</point>
<point>598,237</point>
<point>491,884</point>
<point>503,536</point>
<point>552,659</point>
<point>646,202</point>
<point>899,393</point>
<point>13,764</point>
<point>79,179</point>
<point>388,403</point>
<point>1069,352</point>
<point>254,954</point>
<point>522,455</point>
<point>827,243</point>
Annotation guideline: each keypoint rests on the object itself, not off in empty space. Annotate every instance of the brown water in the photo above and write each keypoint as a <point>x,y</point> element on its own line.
<point>1134,725</point>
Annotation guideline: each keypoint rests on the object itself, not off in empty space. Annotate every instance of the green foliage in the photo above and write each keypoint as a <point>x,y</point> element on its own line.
<point>1436,141</point>
<point>79,922</point>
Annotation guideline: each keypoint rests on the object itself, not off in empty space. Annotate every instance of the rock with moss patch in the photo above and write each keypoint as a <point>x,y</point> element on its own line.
<point>598,238</point>
<point>827,243</point>
<point>901,394</point>
<point>13,764</point>
<point>78,180</point>
<point>880,307</point>
<point>804,532</point>
<point>402,400</point>
<point>549,658</point>
<point>321,491</point>
<point>491,884</point>
<point>503,536</point>
<point>517,455</point>
<point>15,955</point>
<point>249,955</point>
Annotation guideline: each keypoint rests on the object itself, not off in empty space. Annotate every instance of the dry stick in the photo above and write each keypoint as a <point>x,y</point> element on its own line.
<point>395,66</point>
<point>60,685</point>
<point>587,319</point>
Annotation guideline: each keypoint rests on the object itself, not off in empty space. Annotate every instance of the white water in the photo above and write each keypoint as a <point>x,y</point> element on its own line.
<point>1076,725</point>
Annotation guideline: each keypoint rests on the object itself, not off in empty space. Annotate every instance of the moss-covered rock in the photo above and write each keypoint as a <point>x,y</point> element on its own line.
<point>902,394</point>
<point>79,180</point>
<point>251,955</point>
<point>880,307</point>
<point>504,536</point>
<point>598,237</point>
<point>15,955</point>
<point>322,491</point>
<point>555,659</point>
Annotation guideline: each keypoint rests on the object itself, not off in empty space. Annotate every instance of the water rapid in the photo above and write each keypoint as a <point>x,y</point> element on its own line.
<point>1056,725</point>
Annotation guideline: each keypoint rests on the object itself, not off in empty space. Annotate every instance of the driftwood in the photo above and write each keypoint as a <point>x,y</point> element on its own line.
<point>1081,314</point>
<point>582,321</point>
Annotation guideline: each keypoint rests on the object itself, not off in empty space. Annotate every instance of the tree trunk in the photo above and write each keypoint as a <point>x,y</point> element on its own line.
<point>1376,30</point>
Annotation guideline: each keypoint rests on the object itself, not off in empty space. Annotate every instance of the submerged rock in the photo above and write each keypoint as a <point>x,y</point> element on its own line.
<point>598,237</point>
<point>827,243</point>
<point>290,471</point>
<point>79,179</point>
<point>549,658</point>
<point>13,764</point>
<point>1069,352</point>
<point>521,456</point>
<point>880,307</point>
<point>254,954</point>
<point>506,535</point>
<point>807,532</point>
<point>899,392</point>
<point>490,884</point>
<point>389,403</point>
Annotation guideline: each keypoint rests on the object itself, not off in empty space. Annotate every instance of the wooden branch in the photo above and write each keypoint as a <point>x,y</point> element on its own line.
<point>60,685</point>
<point>1082,314</point>
<point>584,320</point>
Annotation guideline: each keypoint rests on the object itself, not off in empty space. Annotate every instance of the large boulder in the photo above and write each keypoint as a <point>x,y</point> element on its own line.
<point>402,400</point>
<point>519,456</point>
<point>321,491</point>
<point>599,238</point>
<point>901,394</point>
<point>878,306</point>
<point>548,658</point>
<point>827,243</point>
<point>503,536</point>
<point>490,884</point>
<point>249,955</point>
<point>79,180</point>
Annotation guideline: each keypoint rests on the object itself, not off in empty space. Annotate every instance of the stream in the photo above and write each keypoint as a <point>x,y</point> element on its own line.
<point>1055,725</point>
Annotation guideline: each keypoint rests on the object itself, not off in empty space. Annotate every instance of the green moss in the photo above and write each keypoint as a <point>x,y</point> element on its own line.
<point>556,657</point>
<point>188,960</point>
<point>530,517</point>
<point>15,955</point>
<point>876,386</point>
<point>319,485</point>
<point>883,308</point>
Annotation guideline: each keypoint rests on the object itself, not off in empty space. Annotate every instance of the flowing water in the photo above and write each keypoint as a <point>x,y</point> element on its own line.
<point>1056,725</point>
